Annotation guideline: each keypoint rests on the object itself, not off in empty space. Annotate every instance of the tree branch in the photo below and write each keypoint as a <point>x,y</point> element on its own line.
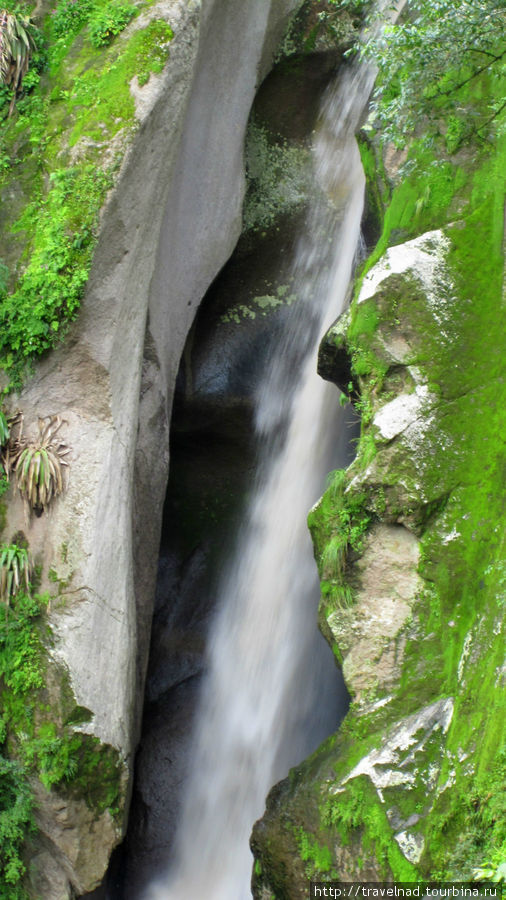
<point>474,74</point>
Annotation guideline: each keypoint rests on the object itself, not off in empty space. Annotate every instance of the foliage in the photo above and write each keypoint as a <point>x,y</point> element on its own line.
<point>16,47</point>
<point>336,17</point>
<point>69,17</point>
<point>31,729</point>
<point>21,674</point>
<point>109,22</point>
<point>16,820</point>
<point>15,571</point>
<point>432,59</point>
<point>48,294</point>
<point>490,871</point>
<point>318,857</point>
<point>105,20</point>
<point>4,275</point>
<point>86,101</point>
<point>338,524</point>
<point>39,465</point>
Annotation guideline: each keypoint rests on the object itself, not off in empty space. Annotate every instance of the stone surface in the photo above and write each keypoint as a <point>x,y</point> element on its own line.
<point>213,462</point>
<point>75,840</point>
<point>366,632</point>
<point>166,231</point>
<point>424,258</point>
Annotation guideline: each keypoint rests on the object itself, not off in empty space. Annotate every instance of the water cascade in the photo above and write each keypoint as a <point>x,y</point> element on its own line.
<point>265,703</point>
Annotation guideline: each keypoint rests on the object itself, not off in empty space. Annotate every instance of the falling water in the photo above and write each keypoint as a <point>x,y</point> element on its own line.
<point>265,659</point>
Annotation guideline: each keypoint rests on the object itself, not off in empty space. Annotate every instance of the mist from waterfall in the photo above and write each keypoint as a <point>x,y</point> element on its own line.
<point>270,696</point>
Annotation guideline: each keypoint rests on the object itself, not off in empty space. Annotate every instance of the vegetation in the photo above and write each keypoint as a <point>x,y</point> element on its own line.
<point>50,227</point>
<point>37,736</point>
<point>21,676</point>
<point>15,571</point>
<point>16,822</point>
<point>438,49</point>
<point>16,47</point>
<point>109,22</point>
<point>338,524</point>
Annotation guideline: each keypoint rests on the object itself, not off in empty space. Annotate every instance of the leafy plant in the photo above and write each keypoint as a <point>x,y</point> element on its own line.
<point>338,17</point>
<point>39,465</point>
<point>429,62</point>
<point>109,22</point>
<point>16,47</point>
<point>48,294</point>
<point>15,571</point>
<point>16,819</point>
<point>21,674</point>
<point>70,16</point>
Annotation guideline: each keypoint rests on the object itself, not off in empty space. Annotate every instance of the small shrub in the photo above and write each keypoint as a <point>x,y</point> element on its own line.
<point>109,22</point>
<point>69,17</point>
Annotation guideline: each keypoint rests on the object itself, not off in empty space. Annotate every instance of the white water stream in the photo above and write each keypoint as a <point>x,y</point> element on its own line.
<point>265,659</point>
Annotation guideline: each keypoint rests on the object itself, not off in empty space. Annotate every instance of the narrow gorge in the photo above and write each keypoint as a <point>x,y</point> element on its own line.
<point>203,224</point>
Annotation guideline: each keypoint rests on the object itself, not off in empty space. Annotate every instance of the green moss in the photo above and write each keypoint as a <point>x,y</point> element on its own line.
<point>277,176</point>
<point>51,222</point>
<point>318,857</point>
<point>357,816</point>
<point>259,305</point>
<point>99,97</point>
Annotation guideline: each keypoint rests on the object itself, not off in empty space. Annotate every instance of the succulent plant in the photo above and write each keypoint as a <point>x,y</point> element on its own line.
<point>38,464</point>
<point>15,571</point>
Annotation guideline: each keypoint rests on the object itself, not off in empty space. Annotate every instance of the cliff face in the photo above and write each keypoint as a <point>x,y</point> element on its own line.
<point>169,224</point>
<point>410,545</point>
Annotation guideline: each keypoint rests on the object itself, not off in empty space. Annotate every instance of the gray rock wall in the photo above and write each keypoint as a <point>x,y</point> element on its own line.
<point>168,228</point>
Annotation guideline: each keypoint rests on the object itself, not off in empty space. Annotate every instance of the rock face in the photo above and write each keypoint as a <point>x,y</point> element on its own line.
<point>168,228</point>
<point>213,454</point>
<point>409,548</point>
<point>367,632</point>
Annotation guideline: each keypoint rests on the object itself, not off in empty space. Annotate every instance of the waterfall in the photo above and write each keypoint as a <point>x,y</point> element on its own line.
<point>265,689</point>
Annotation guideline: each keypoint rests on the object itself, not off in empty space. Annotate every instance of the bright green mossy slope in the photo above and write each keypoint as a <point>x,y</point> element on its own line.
<point>448,489</point>
<point>59,154</point>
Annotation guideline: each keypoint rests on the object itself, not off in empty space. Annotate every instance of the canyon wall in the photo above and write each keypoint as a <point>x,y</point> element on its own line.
<point>169,224</point>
